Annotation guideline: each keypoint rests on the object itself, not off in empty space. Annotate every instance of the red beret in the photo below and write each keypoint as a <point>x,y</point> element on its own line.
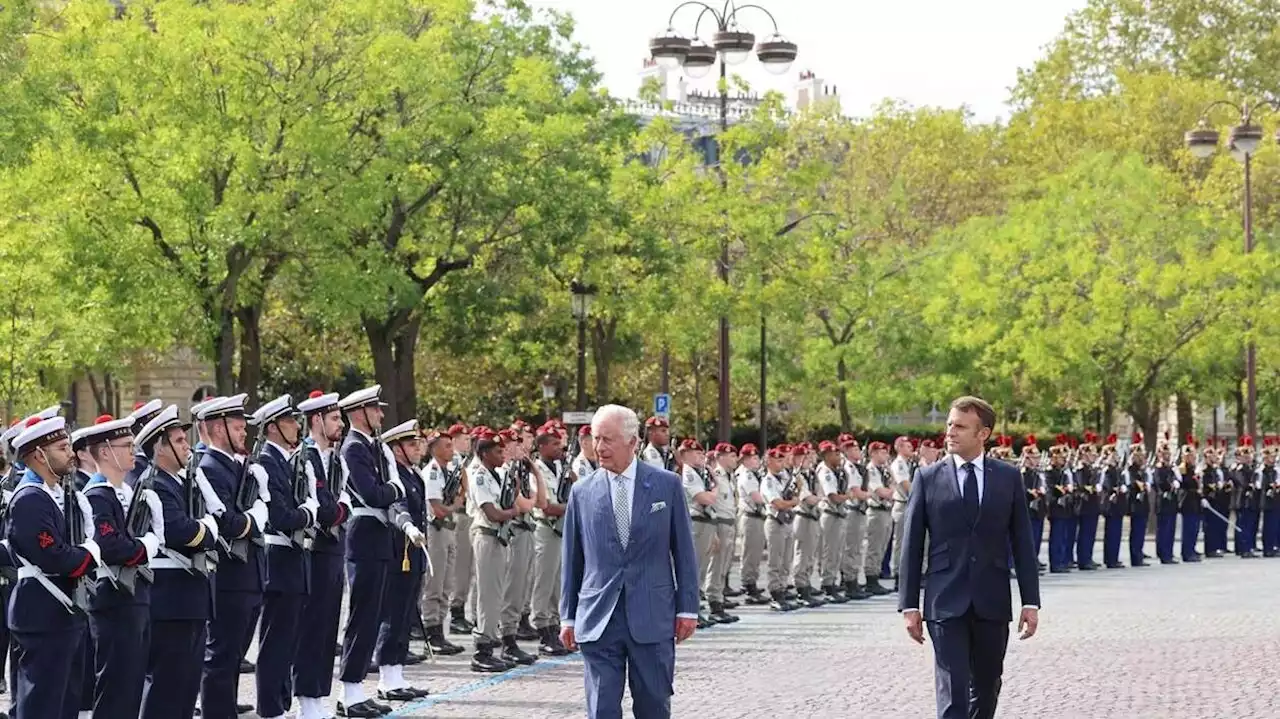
<point>777,452</point>
<point>726,448</point>
<point>691,444</point>
<point>749,450</point>
<point>799,449</point>
<point>877,445</point>
<point>584,430</point>
<point>826,446</point>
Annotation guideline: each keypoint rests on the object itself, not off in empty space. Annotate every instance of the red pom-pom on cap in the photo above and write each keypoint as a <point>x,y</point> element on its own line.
<point>315,393</point>
<point>103,419</point>
<point>32,422</point>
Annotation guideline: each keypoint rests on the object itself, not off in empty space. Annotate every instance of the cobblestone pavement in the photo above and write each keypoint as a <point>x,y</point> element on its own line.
<point>1195,641</point>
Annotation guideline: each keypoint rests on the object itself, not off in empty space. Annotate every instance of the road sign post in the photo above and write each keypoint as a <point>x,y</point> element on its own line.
<point>662,406</point>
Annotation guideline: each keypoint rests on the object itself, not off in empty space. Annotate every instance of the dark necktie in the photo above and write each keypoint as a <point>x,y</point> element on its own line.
<point>971,491</point>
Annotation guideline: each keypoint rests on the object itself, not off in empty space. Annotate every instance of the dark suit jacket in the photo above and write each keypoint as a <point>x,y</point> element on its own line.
<point>656,575</point>
<point>968,563</point>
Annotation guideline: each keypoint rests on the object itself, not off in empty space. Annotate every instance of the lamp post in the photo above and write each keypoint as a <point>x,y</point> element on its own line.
<point>730,45</point>
<point>764,336</point>
<point>548,393</point>
<point>1244,140</point>
<point>582,297</point>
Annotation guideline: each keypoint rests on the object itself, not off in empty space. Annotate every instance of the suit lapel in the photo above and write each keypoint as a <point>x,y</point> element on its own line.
<point>949,489</point>
<point>639,503</point>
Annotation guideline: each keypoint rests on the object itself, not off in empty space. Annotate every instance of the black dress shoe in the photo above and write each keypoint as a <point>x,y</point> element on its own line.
<point>366,709</point>
<point>247,667</point>
<point>412,658</point>
<point>484,661</point>
<point>512,652</point>
<point>403,694</point>
<point>1115,565</point>
<point>730,592</point>
<point>243,708</point>
<point>384,708</point>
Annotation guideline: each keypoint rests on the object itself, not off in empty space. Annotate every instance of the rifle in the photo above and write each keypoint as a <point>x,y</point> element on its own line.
<point>8,575</point>
<point>75,535</point>
<point>138,521</point>
<point>302,491</point>
<point>203,562</point>
<point>786,516</point>
<point>506,500</point>
<point>246,496</point>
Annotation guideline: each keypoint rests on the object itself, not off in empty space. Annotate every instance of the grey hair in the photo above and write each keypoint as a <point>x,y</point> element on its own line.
<point>630,422</point>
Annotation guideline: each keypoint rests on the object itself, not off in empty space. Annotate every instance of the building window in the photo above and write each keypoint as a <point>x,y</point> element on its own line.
<point>144,390</point>
<point>203,392</point>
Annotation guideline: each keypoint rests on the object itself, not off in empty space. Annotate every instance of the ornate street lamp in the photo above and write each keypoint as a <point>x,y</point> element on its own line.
<point>1243,141</point>
<point>732,45</point>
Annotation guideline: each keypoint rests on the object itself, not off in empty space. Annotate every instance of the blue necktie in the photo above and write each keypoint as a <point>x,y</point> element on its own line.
<point>971,491</point>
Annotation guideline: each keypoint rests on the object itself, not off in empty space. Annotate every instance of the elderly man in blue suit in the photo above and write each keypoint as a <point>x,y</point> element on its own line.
<point>630,573</point>
<point>972,509</point>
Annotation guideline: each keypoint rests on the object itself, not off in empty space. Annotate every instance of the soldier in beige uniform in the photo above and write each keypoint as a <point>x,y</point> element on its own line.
<point>444,497</point>
<point>546,541</point>
<point>780,495</point>
<point>725,542</point>
<point>879,522</point>
<point>807,531</point>
<point>657,448</point>
<point>900,468</point>
<point>584,465</point>
<point>492,503</point>
<point>834,520</point>
<point>529,483</point>
<point>751,506</point>
<point>856,527</point>
<point>462,583</point>
<point>699,490</point>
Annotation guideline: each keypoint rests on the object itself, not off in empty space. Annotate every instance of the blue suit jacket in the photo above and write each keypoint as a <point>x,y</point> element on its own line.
<point>656,575</point>
<point>367,538</point>
<point>286,566</point>
<point>223,474</point>
<point>177,594</point>
<point>968,563</point>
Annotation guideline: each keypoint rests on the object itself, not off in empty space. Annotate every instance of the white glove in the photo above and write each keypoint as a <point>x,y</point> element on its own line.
<point>1204,502</point>
<point>414,535</point>
<point>211,500</point>
<point>259,513</point>
<point>263,481</point>
<point>211,524</point>
<point>1176,484</point>
<point>92,548</point>
<point>312,506</point>
<point>152,543</point>
<point>157,512</point>
<point>1098,487</point>
<point>1122,489</point>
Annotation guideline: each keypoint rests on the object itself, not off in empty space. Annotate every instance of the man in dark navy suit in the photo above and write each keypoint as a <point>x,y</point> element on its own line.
<point>629,583</point>
<point>972,510</point>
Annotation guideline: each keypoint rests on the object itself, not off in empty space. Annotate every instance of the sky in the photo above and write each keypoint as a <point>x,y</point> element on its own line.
<point>944,53</point>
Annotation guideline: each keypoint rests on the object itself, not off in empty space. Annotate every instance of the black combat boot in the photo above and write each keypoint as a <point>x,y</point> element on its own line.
<point>525,631</point>
<point>755,595</point>
<point>720,616</point>
<point>730,592</point>
<point>873,586</point>
<point>809,598</point>
<point>550,645</point>
<point>484,661</point>
<point>458,623</point>
<point>439,644</point>
<point>854,592</point>
<point>834,595</point>
<point>780,603</point>
<point>513,653</point>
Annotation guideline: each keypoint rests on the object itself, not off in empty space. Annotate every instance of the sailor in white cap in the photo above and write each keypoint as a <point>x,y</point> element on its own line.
<point>291,517</point>
<point>201,434</point>
<point>143,412</point>
<point>374,487</point>
<point>119,610</point>
<point>313,662</point>
<point>407,568</point>
<point>238,589</point>
<point>53,557</point>
<point>85,466</point>
<point>181,593</point>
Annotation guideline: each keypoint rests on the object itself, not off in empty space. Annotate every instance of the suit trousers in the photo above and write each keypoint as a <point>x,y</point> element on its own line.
<point>1137,537</point>
<point>721,560</point>
<point>520,577</point>
<point>968,662</point>
<point>807,536</point>
<point>833,528</point>
<point>704,536</point>
<point>1246,538</point>
<point>400,591</point>
<point>615,661</point>
<point>1190,534</point>
<point>173,668</point>
<point>779,536</point>
<point>1112,533</point>
<point>752,531</point>
<point>492,567</point>
<point>231,629</point>
<point>546,577</point>
<point>464,564</point>
<point>281,615</point>
<point>1086,537</point>
<point>366,578</point>
<point>899,516</point>
<point>879,529</point>
<point>49,667</point>
<point>121,639</point>
<point>855,535</point>
<point>443,551</point>
<point>313,656</point>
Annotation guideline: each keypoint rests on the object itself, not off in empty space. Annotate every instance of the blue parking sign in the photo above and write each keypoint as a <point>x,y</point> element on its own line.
<point>662,405</point>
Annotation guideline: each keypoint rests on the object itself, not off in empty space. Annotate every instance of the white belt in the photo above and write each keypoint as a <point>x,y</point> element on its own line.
<point>378,514</point>
<point>277,540</point>
<point>31,571</point>
<point>167,563</point>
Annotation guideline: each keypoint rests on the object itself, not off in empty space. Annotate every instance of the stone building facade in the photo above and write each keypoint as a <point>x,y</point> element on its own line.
<point>180,377</point>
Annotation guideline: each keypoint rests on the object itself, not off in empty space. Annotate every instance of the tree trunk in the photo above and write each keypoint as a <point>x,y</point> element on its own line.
<point>1145,416</point>
<point>224,352</point>
<point>250,321</point>
<point>603,342</point>
<point>697,396</point>
<point>100,398</point>
<point>1186,423</point>
<point>1108,410</point>
<point>392,342</point>
<point>842,396</point>
<point>1242,427</point>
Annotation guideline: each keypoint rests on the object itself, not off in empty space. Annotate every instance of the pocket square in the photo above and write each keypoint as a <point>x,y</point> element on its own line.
<point>657,507</point>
